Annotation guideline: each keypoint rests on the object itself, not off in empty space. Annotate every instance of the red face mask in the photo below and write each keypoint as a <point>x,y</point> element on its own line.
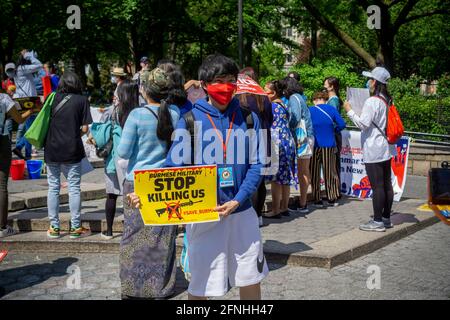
<point>221,92</point>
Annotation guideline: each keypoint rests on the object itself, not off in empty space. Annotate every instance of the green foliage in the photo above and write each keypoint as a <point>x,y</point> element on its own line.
<point>312,76</point>
<point>419,113</point>
<point>424,114</point>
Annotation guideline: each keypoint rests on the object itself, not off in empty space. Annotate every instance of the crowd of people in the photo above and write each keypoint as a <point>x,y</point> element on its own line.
<point>143,130</point>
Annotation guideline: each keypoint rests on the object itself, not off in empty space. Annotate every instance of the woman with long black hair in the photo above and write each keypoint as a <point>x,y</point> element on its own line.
<point>377,152</point>
<point>109,130</point>
<point>147,255</point>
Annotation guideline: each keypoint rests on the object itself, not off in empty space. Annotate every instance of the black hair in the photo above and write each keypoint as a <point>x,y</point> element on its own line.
<point>278,87</point>
<point>70,83</point>
<point>176,95</point>
<point>334,82</point>
<point>128,94</point>
<point>294,75</point>
<point>165,127</point>
<point>217,65</point>
<point>291,86</point>
<point>52,67</point>
<point>22,61</point>
<point>381,90</point>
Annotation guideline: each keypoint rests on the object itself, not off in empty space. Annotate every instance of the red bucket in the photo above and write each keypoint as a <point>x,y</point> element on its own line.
<point>17,169</point>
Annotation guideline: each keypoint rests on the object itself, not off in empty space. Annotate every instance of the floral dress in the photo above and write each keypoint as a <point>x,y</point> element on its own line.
<point>284,144</point>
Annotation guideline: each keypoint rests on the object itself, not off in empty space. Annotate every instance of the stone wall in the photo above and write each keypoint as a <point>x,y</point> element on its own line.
<point>423,157</point>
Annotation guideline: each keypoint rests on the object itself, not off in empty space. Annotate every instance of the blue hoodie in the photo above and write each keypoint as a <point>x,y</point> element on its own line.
<point>247,176</point>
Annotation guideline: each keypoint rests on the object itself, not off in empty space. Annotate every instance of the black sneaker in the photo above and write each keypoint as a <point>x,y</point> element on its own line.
<point>303,210</point>
<point>318,204</point>
<point>333,203</point>
<point>285,213</point>
<point>278,216</point>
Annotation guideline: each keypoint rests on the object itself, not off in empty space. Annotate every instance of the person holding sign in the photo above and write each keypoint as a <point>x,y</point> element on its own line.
<point>377,153</point>
<point>229,250</point>
<point>22,73</point>
<point>147,253</point>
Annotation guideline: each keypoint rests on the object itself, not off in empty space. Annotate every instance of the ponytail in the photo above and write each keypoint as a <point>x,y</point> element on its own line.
<point>165,127</point>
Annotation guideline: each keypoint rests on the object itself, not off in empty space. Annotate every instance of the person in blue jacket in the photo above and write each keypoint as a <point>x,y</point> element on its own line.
<point>229,251</point>
<point>326,122</point>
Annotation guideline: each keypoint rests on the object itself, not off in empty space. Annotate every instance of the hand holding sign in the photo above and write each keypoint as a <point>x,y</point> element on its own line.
<point>227,208</point>
<point>134,201</point>
<point>170,196</point>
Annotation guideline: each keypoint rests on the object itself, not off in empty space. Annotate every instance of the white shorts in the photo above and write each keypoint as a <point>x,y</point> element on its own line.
<point>224,254</point>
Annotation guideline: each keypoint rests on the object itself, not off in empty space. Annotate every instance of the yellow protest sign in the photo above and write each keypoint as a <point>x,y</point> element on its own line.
<point>172,196</point>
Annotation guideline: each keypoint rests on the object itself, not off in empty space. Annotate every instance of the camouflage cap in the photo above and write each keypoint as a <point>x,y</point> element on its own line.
<point>156,78</point>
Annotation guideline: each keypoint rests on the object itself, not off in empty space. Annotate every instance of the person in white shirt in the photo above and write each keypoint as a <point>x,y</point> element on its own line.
<point>377,152</point>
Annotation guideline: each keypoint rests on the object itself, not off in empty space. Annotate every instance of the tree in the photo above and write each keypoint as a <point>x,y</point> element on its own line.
<point>393,14</point>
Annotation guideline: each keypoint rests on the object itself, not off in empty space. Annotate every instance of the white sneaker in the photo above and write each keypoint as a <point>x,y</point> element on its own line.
<point>9,231</point>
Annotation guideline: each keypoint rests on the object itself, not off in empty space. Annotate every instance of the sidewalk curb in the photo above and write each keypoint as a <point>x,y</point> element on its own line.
<point>346,247</point>
<point>38,199</point>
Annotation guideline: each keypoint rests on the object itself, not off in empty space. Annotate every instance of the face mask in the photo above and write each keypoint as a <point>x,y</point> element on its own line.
<point>10,74</point>
<point>221,92</point>
<point>113,79</point>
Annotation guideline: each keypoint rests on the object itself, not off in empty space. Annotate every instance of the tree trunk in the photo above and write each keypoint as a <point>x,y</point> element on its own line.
<point>386,40</point>
<point>340,34</point>
<point>313,52</point>
<point>248,52</point>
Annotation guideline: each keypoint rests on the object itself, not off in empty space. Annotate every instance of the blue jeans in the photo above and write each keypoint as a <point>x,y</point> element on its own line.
<point>72,172</point>
<point>22,142</point>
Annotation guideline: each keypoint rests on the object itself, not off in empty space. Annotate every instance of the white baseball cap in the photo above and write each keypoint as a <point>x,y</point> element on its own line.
<point>379,73</point>
<point>10,66</point>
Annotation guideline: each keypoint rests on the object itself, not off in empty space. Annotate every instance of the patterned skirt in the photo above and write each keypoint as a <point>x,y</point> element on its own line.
<point>147,256</point>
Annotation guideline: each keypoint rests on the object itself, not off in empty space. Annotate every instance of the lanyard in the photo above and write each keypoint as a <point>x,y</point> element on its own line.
<point>224,143</point>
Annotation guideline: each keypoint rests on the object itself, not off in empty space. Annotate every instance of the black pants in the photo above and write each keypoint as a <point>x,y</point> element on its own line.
<point>5,164</point>
<point>383,193</point>
<point>110,210</point>
<point>259,198</point>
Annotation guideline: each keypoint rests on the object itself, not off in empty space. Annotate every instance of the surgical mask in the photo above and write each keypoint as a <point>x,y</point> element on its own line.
<point>114,79</point>
<point>222,92</point>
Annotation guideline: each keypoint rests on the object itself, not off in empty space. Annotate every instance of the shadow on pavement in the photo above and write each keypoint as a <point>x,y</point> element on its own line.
<point>38,273</point>
<point>297,215</point>
<point>278,253</point>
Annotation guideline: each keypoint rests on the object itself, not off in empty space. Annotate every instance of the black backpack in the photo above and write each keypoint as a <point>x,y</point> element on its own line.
<point>190,125</point>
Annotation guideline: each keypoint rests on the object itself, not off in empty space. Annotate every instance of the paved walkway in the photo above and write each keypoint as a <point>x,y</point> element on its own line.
<point>415,267</point>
